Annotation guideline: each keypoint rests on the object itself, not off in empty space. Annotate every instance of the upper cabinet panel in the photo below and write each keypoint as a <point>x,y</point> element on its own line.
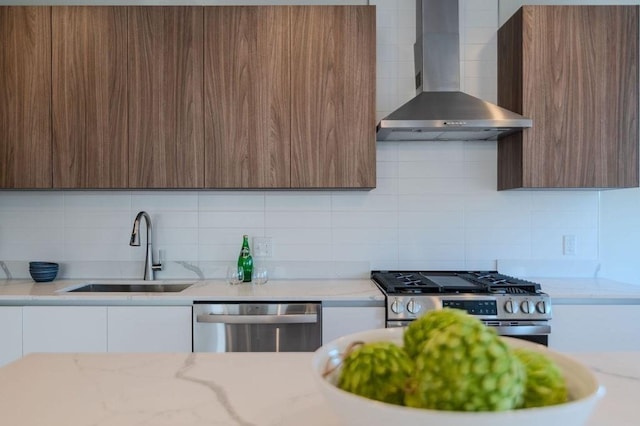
<point>25,95</point>
<point>165,97</point>
<point>333,97</point>
<point>247,97</point>
<point>90,97</point>
<point>574,71</point>
<point>216,97</point>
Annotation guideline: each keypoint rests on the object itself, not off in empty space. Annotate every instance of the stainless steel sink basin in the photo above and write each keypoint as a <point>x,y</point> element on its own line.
<point>123,287</point>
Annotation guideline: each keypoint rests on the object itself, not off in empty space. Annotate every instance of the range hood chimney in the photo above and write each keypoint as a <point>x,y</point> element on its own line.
<point>440,111</point>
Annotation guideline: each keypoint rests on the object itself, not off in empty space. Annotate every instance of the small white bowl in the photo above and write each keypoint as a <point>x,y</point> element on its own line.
<point>584,392</point>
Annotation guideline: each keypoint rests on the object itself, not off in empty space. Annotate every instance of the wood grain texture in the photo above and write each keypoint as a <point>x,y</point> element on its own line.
<point>90,97</point>
<point>580,87</point>
<point>25,95</point>
<point>510,97</point>
<point>166,136</point>
<point>333,97</point>
<point>247,97</point>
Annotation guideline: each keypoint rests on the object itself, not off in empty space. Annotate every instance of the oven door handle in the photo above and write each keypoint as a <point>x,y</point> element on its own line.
<point>522,330</point>
<point>258,319</point>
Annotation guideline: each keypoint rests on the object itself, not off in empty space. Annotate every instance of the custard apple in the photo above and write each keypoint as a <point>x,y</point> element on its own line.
<point>376,370</point>
<point>465,366</point>
<point>418,331</point>
<point>545,384</point>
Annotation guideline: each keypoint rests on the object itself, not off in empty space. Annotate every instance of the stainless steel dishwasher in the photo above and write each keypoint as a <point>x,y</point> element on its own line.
<point>256,327</point>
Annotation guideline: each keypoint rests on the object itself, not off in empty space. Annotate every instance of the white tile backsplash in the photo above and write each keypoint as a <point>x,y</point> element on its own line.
<point>298,201</point>
<point>235,201</point>
<point>435,205</point>
<point>231,219</point>
<point>301,219</point>
<point>164,201</point>
<point>97,202</point>
<point>293,236</point>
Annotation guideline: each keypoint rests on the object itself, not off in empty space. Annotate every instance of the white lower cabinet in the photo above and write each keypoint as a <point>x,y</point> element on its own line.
<point>64,329</point>
<point>595,328</point>
<point>149,329</point>
<point>340,321</point>
<point>10,334</point>
<point>102,329</point>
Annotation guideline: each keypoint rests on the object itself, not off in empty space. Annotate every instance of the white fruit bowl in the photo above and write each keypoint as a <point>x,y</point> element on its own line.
<point>584,393</point>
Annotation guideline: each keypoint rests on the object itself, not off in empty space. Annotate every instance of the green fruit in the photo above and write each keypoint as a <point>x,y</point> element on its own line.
<point>545,384</point>
<point>377,370</point>
<point>465,366</point>
<point>419,331</point>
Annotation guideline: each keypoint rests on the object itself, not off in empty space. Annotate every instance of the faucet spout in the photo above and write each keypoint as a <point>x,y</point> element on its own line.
<point>149,266</point>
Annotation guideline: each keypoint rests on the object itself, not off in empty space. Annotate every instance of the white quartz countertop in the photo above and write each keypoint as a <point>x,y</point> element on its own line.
<point>218,389</point>
<point>337,292</point>
<point>588,290</point>
<point>348,292</point>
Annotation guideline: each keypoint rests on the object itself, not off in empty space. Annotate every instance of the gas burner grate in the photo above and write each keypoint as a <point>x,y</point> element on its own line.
<point>478,282</point>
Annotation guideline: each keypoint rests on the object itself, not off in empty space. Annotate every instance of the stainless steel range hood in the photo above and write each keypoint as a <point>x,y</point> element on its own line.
<point>440,111</point>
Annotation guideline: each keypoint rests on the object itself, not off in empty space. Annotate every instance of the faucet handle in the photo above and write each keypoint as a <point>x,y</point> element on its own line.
<point>158,266</point>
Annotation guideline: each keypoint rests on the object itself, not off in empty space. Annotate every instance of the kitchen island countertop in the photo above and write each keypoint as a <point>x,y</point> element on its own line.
<point>218,389</point>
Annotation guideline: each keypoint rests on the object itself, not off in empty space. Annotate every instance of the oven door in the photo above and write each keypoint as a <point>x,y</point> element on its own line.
<point>532,331</point>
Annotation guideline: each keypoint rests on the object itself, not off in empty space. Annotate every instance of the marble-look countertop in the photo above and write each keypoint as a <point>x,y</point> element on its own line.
<point>331,292</point>
<point>219,389</point>
<point>346,292</point>
<point>588,290</point>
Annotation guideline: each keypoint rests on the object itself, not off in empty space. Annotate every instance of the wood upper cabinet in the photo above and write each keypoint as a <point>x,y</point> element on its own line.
<point>25,97</point>
<point>333,97</point>
<point>574,71</point>
<point>247,97</point>
<point>165,97</point>
<point>250,97</point>
<point>90,97</point>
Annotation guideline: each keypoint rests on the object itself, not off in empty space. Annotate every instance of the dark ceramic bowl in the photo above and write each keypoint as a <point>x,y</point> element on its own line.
<point>42,277</point>
<point>33,265</point>
<point>43,271</point>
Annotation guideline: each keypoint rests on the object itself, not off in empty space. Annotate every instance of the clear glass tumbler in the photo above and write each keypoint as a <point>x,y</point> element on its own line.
<point>235,274</point>
<point>260,275</point>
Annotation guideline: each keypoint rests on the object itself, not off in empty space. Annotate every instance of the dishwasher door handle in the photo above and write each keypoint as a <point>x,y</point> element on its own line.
<point>258,319</point>
<point>522,330</point>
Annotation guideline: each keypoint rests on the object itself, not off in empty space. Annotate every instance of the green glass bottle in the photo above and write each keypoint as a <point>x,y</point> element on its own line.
<point>245,261</point>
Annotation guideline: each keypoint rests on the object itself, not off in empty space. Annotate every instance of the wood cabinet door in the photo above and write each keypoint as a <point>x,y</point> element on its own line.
<point>89,97</point>
<point>247,103</point>
<point>165,97</point>
<point>574,71</point>
<point>333,97</point>
<point>25,94</point>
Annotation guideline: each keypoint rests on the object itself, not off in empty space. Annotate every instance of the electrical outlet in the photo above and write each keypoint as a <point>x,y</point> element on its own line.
<point>569,245</point>
<point>262,246</point>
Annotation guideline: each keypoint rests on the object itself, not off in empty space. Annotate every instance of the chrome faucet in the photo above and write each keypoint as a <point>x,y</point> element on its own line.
<point>149,266</point>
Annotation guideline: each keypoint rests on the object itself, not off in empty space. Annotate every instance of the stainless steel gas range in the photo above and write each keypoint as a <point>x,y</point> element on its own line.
<point>514,307</point>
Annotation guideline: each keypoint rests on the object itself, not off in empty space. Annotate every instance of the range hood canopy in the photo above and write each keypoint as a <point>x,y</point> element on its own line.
<point>440,111</point>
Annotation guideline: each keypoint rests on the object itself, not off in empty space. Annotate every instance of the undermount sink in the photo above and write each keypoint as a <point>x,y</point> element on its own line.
<point>124,287</point>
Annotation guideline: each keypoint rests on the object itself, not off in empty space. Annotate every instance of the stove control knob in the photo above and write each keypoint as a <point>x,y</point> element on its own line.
<point>542,307</point>
<point>511,307</point>
<point>414,306</point>
<point>528,307</point>
<point>397,307</point>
